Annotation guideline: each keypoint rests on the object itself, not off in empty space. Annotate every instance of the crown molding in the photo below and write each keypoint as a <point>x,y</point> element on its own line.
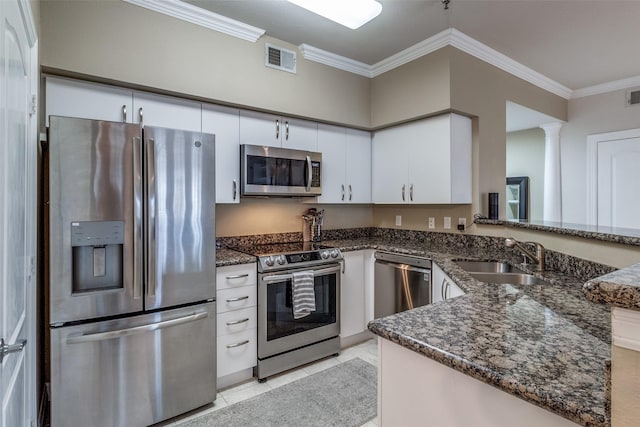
<point>411,53</point>
<point>491,56</point>
<point>606,87</point>
<point>336,61</point>
<point>202,17</point>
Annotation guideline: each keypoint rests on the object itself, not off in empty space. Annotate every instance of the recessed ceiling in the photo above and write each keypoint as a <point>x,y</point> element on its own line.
<point>577,43</point>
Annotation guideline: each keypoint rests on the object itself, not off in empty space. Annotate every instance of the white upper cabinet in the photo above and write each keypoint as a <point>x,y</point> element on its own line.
<point>224,123</point>
<point>425,162</point>
<point>346,165</point>
<point>167,112</point>
<point>277,131</point>
<point>73,98</point>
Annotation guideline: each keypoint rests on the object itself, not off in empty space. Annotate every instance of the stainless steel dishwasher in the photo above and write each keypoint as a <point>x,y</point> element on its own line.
<point>402,282</point>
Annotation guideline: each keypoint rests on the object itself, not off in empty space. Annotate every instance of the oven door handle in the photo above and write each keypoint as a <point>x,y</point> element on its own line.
<point>282,277</point>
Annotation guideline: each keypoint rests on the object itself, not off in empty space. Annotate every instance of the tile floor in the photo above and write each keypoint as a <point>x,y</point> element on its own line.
<point>367,351</point>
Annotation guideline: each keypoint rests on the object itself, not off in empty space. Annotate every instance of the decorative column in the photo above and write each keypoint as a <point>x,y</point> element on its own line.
<point>552,176</point>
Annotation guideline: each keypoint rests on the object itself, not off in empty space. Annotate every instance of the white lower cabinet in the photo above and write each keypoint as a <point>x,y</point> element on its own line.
<point>236,322</point>
<point>356,292</point>
<point>442,287</point>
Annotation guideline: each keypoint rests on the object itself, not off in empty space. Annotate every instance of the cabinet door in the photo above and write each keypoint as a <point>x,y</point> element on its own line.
<point>167,112</point>
<point>389,167</point>
<point>352,294</point>
<point>224,123</point>
<point>430,161</point>
<point>331,143</point>
<point>73,98</point>
<point>299,134</point>
<point>358,166</point>
<point>443,288</point>
<point>260,129</point>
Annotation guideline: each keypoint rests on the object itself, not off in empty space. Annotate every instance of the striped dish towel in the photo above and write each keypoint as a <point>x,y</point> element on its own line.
<point>303,295</point>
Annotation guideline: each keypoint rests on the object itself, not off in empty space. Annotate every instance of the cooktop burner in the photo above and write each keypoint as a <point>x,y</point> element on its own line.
<point>282,256</point>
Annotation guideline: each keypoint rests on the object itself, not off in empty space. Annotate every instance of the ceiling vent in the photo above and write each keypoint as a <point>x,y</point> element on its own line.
<point>633,96</point>
<point>279,58</point>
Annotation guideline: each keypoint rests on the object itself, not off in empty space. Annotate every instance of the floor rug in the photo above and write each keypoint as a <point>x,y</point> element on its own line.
<point>341,396</point>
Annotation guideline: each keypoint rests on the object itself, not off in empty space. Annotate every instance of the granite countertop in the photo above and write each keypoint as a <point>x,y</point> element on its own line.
<point>620,288</point>
<point>226,257</point>
<point>546,344</point>
<point>624,236</point>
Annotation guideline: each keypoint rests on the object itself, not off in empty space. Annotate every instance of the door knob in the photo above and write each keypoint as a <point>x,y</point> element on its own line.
<point>8,349</point>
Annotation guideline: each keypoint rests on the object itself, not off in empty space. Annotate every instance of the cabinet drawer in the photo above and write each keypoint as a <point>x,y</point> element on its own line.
<point>236,321</point>
<point>237,352</point>
<point>234,276</point>
<point>237,298</point>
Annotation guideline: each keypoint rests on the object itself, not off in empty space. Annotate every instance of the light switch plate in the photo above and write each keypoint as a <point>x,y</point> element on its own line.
<point>398,220</point>
<point>447,222</point>
<point>432,222</point>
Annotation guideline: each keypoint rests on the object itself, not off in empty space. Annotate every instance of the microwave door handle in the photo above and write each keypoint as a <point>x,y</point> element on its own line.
<point>309,174</point>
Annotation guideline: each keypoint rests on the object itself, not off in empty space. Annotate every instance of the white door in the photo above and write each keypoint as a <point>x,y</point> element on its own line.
<point>299,134</point>
<point>389,165</point>
<point>331,140</point>
<point>223,122</point>
<point>73,98</point>
<point>358,167</point>
<point>618,178</point>
<point>260,129</point>
<point>167,112</point>
<point>18,150</point>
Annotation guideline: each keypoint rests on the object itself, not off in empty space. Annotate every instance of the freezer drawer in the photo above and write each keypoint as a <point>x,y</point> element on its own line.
<point>135,371</point>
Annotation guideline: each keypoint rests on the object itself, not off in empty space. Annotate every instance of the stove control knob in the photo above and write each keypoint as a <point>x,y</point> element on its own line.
<point>281,260</point>
<point>324,254</point>
<point>269,261</point>
<point>335,253</point>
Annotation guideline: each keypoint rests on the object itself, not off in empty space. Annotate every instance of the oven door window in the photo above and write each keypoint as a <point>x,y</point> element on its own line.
<point>280,321</point>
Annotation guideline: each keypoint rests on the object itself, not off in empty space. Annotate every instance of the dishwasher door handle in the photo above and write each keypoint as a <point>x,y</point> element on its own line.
<point>404,266</point>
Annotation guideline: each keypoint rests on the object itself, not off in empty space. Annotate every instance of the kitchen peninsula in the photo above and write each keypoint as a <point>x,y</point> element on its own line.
<point>546,344</point>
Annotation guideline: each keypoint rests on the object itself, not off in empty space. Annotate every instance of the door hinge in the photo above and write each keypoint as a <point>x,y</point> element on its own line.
<point>34,105</point>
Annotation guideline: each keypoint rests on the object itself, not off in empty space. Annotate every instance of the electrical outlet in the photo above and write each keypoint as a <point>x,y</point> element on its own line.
<point>432,222</point>
<point>462,222</point>
<point>447,222</point>
<point>398,220</point>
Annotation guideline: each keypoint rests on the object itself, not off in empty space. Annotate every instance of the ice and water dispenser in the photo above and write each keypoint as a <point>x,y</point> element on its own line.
<point>97,248</point>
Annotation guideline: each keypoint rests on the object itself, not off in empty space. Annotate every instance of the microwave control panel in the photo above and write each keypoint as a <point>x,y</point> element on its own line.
<point>315,174</point>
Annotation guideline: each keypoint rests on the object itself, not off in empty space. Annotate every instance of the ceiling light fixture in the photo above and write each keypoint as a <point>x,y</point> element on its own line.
<point>350,13</point>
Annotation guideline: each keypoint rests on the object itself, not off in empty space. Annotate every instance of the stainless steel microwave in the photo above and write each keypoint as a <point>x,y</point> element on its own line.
<point>273,171</point>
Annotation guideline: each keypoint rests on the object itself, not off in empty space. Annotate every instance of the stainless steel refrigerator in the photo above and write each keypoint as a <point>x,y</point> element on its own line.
<point>131,272</point>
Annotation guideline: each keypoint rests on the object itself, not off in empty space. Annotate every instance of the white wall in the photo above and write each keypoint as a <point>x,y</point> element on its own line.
<point>589,115</point>
<point>525,157</point>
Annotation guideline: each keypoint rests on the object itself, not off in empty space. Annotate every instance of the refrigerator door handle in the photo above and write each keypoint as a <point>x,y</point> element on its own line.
<point>101,336</point>
<point>137,220</point>
<point>151,219</point>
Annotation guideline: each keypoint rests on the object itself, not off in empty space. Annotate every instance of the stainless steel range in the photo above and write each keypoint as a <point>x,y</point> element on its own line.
<point>285,341</point>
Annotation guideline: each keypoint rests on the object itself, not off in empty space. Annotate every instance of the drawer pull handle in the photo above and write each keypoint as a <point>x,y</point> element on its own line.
<point>237,322</point>
<point>238,299</point>
<point>237,276</point>
<point>238,344</point>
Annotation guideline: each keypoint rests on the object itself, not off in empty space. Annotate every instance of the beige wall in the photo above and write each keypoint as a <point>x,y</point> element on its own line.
<point>114,40</point>
<point>625,387</point>
<point>482,90</point>
<point>264,216</point>
<point>525,157</point>
<point>416,217</point>
<point>416,89</point>
<point>588,115</point>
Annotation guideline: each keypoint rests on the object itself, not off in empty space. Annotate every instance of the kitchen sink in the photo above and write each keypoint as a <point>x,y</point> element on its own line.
<point>508,278</point>
<point>488,267</point>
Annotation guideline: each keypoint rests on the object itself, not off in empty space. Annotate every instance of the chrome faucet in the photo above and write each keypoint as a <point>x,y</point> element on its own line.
<point>537,258</point>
